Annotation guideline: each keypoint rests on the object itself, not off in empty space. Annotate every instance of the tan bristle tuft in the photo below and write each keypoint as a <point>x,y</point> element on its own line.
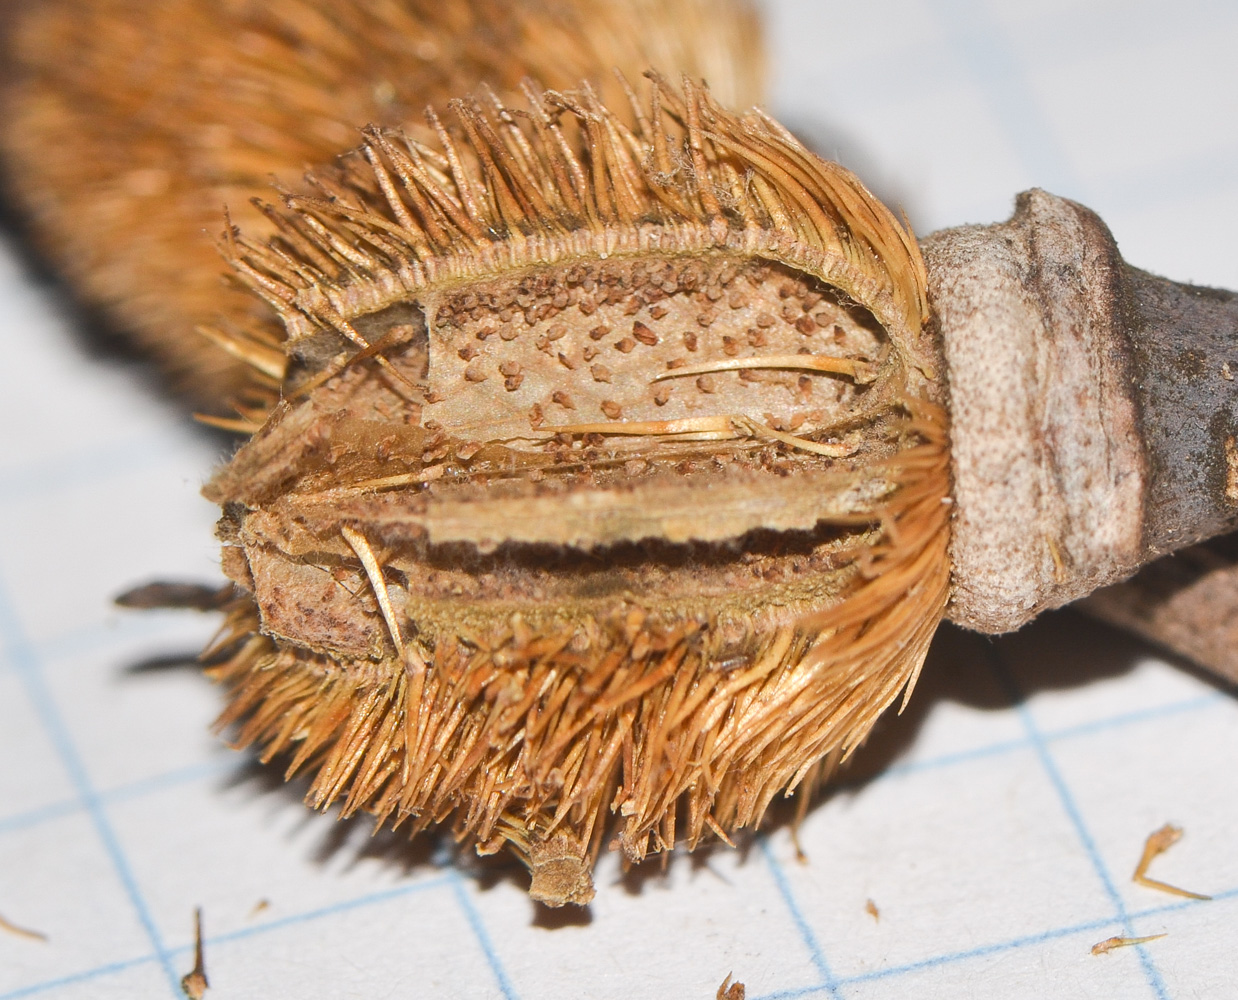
<point>392,226</point>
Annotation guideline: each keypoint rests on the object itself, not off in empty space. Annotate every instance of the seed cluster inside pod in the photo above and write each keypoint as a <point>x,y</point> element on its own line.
<point>608,477</point>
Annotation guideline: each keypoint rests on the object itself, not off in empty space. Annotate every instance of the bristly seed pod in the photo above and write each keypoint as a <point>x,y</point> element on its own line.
<point>492,581</point>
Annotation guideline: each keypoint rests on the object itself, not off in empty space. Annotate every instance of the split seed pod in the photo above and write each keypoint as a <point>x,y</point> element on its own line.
<point>608,477</point>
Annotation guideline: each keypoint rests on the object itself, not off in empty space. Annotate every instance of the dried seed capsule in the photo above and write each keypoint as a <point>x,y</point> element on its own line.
<point>729,465</point>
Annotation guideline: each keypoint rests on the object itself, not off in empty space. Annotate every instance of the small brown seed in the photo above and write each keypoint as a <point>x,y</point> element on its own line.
<point>563,399</point>
<point>509,368</point>
<point>662,395</point>
<point>474,372</point>
<point>765,320</point>
<point>626,345</point>
<point>644,334</point>
<point>468,353</point>
<point>612,409</point>
<point>567,362</point>
<point>600,373</point>
<point>598,332</point>
<point>706,383</point>
<point>690,341</point>
<point>805,325</point>
<point>513,382</point>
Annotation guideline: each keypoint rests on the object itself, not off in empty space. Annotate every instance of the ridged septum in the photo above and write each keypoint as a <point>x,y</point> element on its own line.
<point>608,476</point>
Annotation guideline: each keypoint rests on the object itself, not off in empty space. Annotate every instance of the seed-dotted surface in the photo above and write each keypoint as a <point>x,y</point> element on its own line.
<point>994,826</point>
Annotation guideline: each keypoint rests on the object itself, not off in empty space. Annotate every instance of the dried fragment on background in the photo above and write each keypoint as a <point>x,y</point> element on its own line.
<point>17,929</point>
<point>1109,944</point>
<point>1158,842</point>
<point>731,990</point>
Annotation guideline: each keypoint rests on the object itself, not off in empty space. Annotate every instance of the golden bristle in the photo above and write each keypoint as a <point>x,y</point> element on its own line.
<point>392,226</point>
<point>474,640</point>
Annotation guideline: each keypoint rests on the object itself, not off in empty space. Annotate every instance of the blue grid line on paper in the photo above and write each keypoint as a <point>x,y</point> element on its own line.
<point>1195,703</point>
<point>1011,686</point>
<point>369,899</point>
<point>86,975</point>
<point>482,935</point>
<point>29,669</point>
<point>982,951</point>
<point>819,961</point>
<point>359,902</point>
<point>119,793</point>
<point>211,941</point>
<point>993,948</point>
